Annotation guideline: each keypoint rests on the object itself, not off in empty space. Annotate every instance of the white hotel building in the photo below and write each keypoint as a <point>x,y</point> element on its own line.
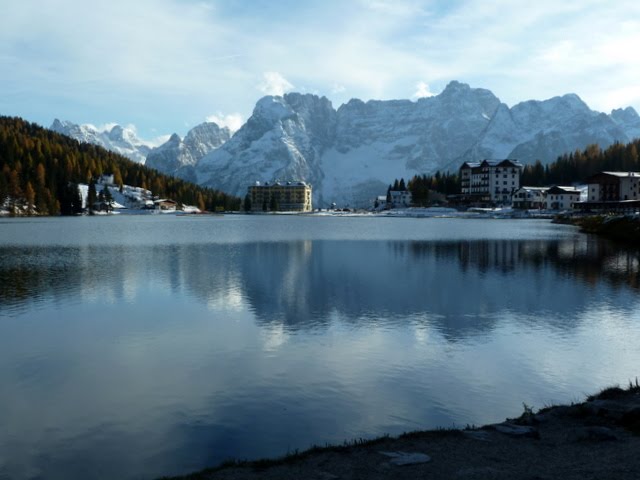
<point>490,181</point>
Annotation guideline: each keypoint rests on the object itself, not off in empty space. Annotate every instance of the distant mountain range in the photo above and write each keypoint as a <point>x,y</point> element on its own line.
<point>351,154</point>
<point>117,139</point>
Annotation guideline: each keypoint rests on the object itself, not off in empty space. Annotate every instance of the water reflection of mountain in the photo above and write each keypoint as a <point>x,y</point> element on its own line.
<point>459,287</point>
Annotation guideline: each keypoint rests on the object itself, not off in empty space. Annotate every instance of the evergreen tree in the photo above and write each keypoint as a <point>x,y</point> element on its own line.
<point>396,185</point>
<point>200,202</point>
<point>108,198</point>
<point>30,196</point>
<point>401,185</point>
<point>76,199</point>
<point>91,197</point>
<point>4,189</point>
<point>247,203</point>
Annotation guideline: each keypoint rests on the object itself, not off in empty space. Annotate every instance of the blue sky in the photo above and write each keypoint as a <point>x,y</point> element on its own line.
<point>167,65</point>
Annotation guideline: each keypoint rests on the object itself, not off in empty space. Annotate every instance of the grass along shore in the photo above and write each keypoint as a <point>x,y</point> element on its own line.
<point>596,439</point>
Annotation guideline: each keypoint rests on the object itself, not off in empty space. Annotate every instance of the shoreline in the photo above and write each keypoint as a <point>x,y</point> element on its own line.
<point>620,228</point>
<point>598,438</point>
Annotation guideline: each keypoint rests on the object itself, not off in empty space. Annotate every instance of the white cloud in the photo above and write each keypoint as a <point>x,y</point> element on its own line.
<point>422,90</point>
<point>274,84</point>
<point>338,88</point>
<point>171,61</point>
<point>233,121</point>
<point>395,7</point>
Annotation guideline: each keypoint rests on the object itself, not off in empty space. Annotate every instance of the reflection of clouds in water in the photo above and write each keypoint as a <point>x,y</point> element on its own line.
<point>273,337</point>
<point>230,298</point>
<point>421,334</point>
<point>130,288</point>
<point>352,337</point>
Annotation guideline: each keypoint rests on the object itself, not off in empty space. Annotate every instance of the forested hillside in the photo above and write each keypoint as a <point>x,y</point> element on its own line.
<point>41,170</point>
<point>576,167</point>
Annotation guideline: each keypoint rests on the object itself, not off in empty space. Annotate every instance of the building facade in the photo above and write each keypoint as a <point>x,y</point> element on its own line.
<point>400,198</point>
<point>612,191</point>
<point>562,198</point>
<point>614,187</point>
<point>281,197</point>
<point>490,181</point>
<point>528,198</point>
<point>548,198</point>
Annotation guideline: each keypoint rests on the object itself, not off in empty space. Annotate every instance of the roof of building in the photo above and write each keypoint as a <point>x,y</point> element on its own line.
<point>560,189</point>
<point>507,162</point>
<point>277,183</point>
<point>534,189</point>
<point>613,174</point>
<point>623,174</point>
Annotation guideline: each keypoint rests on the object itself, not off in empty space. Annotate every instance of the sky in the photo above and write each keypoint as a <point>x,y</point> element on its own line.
<point>164,66</point>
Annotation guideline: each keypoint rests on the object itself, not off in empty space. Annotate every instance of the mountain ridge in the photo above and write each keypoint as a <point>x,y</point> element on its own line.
<point>349,154</point>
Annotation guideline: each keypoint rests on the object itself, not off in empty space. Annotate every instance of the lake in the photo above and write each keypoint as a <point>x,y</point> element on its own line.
<point>133,347</point>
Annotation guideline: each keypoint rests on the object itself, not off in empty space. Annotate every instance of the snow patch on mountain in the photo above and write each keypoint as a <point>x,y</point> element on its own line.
<point>349,155</point>
<point>118,139</point>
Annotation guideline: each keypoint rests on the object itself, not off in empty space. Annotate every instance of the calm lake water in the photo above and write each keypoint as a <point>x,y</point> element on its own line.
<point>138,346</point>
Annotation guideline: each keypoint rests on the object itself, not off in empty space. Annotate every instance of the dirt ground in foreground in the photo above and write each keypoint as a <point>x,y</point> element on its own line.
<point>598,439</point>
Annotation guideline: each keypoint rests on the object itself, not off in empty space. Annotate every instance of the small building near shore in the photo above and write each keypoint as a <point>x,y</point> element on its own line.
<point>528,198</point>
<point>400,198</point>
<point>562,198</point>
<point>165,205</point>
<point>106,179</point>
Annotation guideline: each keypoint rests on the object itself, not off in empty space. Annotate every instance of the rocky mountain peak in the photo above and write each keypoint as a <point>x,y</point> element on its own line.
<point>117,139</point>
<point>349,155</point>
<point>625,114</point>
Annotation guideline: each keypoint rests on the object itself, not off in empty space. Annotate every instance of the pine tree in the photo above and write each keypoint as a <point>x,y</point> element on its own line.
<point>76,199</point>
<point>108,198</point>
<point>4,189</point>
<point>30,196</point>
<point>247,203</point>
<point>91,196</point>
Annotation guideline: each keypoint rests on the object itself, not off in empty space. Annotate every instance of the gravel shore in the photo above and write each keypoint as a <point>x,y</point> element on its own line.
<point>597,439</point>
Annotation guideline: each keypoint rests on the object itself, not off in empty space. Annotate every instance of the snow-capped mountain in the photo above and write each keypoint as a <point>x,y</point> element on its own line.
<point>543,130</point>
<point>117,139</point>
<point>351,154</point>
<point>178,157</point>
<point>284,138</point>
